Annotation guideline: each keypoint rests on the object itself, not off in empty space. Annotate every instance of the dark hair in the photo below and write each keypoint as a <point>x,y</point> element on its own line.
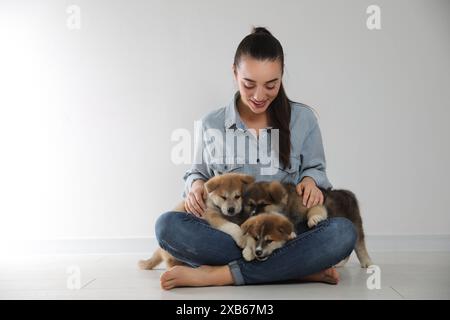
<point>262,45</point>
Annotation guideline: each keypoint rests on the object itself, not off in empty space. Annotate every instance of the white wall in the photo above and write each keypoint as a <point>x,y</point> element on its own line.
<point>86,115</point>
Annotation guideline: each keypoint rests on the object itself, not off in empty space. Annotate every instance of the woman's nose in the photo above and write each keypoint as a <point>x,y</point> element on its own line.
<point>259,95</point>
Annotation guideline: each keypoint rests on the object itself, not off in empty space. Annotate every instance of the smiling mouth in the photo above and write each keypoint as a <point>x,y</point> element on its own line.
<point>258,104</point>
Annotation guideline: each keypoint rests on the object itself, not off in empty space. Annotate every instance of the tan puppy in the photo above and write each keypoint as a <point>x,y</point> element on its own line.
<point>264,233</point>
<point>223,198</point>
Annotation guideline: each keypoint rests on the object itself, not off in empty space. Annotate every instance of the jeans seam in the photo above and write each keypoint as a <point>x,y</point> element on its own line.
<point>204,225</point>
<point>236,273</point>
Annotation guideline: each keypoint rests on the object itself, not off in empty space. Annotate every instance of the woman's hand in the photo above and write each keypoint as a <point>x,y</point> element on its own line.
<point>312,195</point>
<point>194,201</point>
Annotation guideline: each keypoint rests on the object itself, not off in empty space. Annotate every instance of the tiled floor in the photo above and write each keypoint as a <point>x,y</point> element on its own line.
<point>404,275</point>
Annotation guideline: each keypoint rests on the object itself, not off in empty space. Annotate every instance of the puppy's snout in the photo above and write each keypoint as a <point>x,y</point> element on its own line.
<point>258,252</point>
<point>231,210</point>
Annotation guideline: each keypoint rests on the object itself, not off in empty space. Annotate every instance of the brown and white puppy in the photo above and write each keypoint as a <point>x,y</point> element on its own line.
<point>283,198</point>
<point>223,199</point>
<point>264,233</point>
<point>276,197</point>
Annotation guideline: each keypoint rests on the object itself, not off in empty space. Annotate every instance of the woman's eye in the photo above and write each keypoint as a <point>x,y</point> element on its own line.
<point>248,86</point>
<point>271,88</point>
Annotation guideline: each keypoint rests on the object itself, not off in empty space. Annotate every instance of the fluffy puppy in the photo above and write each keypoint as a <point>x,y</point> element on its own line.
<point>282,197</point>
<point>264,233</point>
<point>343,203</point>
<point>223,199</point>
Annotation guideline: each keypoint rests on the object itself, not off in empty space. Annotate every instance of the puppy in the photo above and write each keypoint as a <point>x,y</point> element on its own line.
<point>223,199</point>
<point>282,197</point>
<point>264,233</point>
<point>343,203</point>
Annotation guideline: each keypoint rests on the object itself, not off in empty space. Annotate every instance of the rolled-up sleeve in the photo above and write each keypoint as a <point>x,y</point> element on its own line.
<point>198,170</point>
<point>312,156</point>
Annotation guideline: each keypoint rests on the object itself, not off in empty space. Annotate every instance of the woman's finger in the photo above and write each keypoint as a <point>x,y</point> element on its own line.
<point>313,198</point>
<point>192,209</point>
<point>316,201</point>
<point>196,206</point>
<point>321,198</point>
<point>187,206</point>
<point>306,195</point>
<point>199,198</point>
<point>299,189</point>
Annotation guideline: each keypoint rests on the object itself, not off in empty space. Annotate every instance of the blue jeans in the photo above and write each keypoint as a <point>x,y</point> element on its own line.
<point>192,240</point>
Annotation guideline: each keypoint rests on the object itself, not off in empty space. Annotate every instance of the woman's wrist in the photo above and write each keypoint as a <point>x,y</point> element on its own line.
<point>309,179</point>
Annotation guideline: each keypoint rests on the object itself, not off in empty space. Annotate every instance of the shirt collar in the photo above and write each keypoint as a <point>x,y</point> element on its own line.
<point>232,118</point>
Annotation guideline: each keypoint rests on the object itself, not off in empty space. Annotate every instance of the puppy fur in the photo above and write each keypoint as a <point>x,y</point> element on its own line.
<point>283,198</point>
<point>223,196</point>
<point>265,233</point>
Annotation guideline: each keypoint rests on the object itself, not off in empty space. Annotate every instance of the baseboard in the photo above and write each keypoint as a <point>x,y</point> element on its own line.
<point>380,243</point>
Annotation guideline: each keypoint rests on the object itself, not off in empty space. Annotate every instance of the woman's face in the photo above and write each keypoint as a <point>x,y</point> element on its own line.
<point>259,82</point>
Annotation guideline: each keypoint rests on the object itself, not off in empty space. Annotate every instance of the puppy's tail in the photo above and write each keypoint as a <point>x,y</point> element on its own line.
<point>342,203</point>
<point>149,264</point>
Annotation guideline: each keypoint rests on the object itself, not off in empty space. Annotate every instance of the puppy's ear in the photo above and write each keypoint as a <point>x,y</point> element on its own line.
<point>287,229</point>
<point>277,192</point>
<point>246,179</point>
<point>211,185</point>
<point>247,227</point>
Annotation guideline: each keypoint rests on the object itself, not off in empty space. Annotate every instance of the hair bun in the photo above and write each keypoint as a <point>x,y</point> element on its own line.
<point>260,30</point>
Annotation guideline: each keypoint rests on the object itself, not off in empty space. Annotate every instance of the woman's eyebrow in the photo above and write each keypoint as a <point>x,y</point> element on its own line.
<point>250,80</point>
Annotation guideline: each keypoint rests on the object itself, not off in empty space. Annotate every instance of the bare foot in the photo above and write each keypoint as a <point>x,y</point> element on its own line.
<point>182,276</point>
<point>330,276</point>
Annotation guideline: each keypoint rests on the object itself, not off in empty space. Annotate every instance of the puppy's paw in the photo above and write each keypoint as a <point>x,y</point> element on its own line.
<point>314,220</point>
<point>144,265</point>
<point>366,263</point>
<point>248,254</point>
<point>241,241</point>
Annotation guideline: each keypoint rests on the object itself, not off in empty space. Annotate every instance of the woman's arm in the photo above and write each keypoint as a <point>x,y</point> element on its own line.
<point>313,162</point>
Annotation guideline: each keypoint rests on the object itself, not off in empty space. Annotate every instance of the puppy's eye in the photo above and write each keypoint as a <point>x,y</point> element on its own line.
<point>268,241</point>
<point>237,197</point>
<point>224,198</point>
<point>263,204</point>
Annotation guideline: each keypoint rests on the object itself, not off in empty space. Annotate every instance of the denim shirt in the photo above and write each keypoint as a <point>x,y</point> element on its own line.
<point>214,151</point>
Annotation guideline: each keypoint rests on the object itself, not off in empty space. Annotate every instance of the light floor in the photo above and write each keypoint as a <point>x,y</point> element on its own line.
<point>404,275</point>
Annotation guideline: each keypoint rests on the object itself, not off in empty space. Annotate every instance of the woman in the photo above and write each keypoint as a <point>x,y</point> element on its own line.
<point>260,104</point>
